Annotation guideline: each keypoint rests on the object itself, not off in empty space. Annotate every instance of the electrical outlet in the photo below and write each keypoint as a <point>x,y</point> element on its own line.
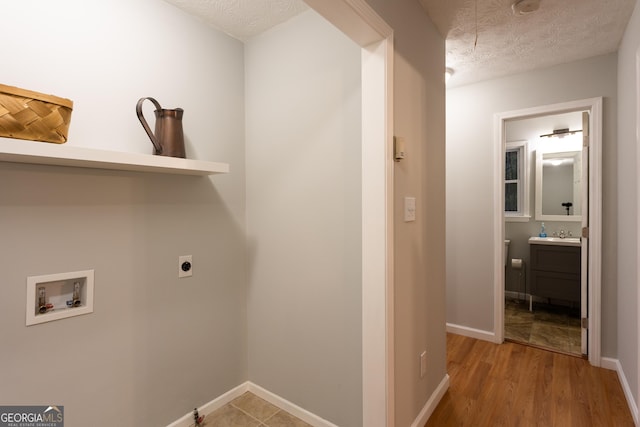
<point>423,364</point>
<point>185,266</point>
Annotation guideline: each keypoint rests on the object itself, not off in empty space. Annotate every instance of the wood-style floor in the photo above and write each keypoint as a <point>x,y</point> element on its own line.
<point>516,385</point>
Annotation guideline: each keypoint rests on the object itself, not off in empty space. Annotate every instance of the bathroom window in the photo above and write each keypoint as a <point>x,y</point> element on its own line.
<point>516,194</point>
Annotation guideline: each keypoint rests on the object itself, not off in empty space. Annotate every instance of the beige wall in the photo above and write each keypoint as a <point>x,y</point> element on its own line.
<point>420,245</point>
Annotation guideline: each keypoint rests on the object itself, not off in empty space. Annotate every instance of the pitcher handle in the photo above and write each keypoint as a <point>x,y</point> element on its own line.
<point>145,125</point>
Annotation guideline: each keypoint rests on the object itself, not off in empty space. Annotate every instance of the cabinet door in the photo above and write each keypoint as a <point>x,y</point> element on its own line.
<point>558,259</point>
<point>555,285</point>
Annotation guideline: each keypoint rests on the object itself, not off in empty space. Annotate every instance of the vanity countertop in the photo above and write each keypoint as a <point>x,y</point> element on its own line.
<point>566,241</point>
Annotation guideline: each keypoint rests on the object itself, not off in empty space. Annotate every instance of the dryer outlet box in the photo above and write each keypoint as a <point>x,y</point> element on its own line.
<point>185,266</point>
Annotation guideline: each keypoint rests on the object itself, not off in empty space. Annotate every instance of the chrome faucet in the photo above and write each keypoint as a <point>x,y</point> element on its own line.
<point>562,234</point>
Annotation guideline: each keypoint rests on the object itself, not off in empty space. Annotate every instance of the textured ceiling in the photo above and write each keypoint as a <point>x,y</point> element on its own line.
<point>242,19</point>
<point>559,31</point>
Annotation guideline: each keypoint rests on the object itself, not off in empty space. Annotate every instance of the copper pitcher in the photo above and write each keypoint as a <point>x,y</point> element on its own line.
<point>168,139</point>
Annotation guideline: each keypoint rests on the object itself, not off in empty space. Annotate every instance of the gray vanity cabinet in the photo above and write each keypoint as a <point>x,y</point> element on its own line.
<point>555,272</point>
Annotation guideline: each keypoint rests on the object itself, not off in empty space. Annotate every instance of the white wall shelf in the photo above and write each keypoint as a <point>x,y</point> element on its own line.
<point>21,151</point>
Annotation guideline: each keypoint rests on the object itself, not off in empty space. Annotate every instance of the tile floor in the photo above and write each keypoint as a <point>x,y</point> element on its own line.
<point>549,326</point>
<point>250,410</point>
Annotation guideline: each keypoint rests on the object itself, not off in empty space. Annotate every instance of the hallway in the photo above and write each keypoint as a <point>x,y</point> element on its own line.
<point>516,385</point>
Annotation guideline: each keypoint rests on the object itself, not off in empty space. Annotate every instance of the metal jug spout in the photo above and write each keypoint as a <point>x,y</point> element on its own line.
<point>168,139</point>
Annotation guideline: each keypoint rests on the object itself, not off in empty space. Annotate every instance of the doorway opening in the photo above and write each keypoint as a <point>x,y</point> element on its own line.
<point>544,201</point>
<point>547,290</point>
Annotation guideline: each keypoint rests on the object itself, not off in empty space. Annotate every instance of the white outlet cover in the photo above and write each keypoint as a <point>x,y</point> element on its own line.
<point>181,260</point>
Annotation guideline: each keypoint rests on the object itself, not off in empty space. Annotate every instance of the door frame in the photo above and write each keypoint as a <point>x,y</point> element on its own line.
<point>594,242</point>
<point>358,21</point>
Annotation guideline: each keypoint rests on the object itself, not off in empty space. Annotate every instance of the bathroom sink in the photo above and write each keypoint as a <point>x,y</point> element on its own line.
<point>566,241</point>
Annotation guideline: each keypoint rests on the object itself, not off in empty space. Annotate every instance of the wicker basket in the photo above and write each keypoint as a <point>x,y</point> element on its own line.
<point>25,114</point>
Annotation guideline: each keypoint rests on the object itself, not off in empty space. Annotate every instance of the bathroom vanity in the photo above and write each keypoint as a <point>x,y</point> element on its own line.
<point>555,268</point>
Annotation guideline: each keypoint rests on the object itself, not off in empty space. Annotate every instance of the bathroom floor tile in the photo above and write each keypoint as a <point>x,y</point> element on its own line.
<point>550,335</point>
<point>549,326</point>
<point>549,317</point>
<point>518,332</point>
<point>519,319</point>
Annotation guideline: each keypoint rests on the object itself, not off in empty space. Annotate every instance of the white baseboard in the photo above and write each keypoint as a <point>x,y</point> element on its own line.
<point>220,401</point>
<point>614,364</point>
<point>207,408</point>
<point>471,332</point>
<point>609,363</point>
<point>432,403</point>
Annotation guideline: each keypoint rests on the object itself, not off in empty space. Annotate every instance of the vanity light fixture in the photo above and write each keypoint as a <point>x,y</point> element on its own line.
<point>556,162</point>
<point>560,133</point>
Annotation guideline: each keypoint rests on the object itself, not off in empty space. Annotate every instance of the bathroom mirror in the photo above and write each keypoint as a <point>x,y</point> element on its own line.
<point>558,186</point>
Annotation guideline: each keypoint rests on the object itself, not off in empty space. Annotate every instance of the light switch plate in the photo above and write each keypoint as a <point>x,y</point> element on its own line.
<point>409,209</point>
